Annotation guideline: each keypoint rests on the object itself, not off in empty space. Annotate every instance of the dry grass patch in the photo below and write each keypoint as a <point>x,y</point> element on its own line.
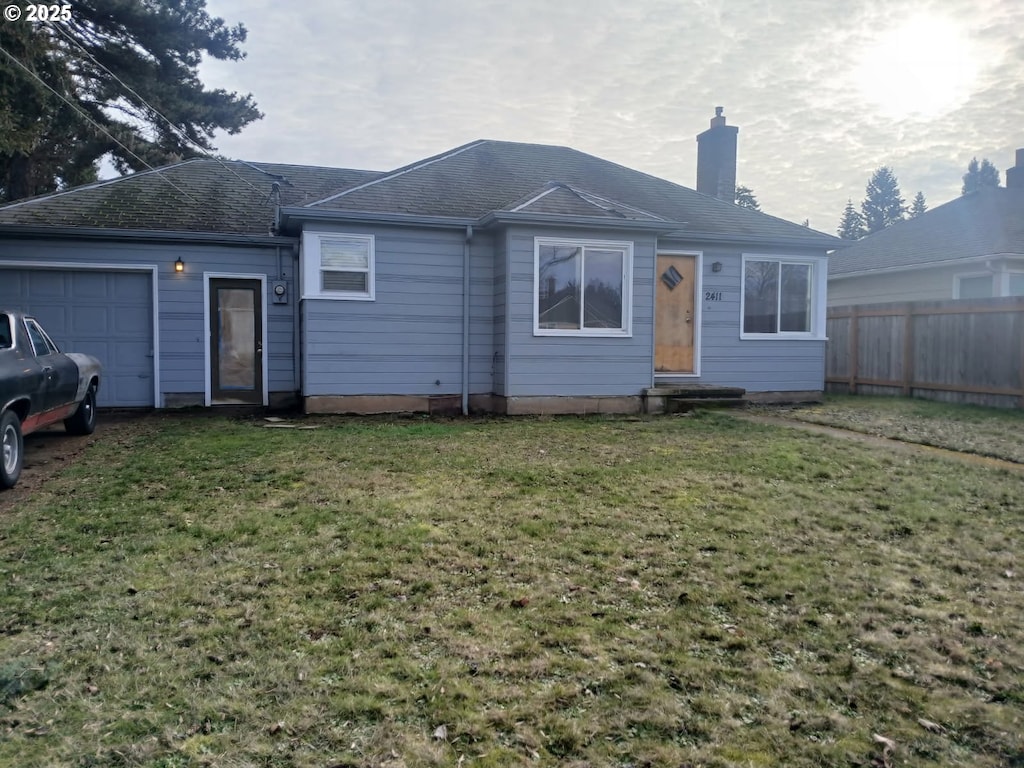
<point>995,432</point>
<point>675,591</point>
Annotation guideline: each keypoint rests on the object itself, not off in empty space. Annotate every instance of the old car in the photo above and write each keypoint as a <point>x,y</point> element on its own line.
<point>39,386</point>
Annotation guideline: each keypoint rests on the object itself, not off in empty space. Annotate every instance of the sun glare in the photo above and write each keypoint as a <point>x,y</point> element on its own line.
<point>919,69</point>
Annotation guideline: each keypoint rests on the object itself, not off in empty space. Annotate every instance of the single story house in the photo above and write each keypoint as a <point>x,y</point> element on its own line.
<point>497,276</point>
<point>969,248</point>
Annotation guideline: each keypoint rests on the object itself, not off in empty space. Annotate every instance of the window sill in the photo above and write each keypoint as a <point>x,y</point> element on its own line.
<point>338,297</point>
<point>782,337</point>
<point>593,333</point>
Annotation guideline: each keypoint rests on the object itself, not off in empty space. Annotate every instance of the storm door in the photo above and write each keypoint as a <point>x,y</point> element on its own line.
<point>236,341</point>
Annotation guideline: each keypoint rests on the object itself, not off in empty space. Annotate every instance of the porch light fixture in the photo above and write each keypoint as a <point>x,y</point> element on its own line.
<point>179,265</point>
<point>716,266</point>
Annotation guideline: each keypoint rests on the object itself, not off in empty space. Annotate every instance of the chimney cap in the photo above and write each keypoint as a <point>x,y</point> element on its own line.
<point>719,111</point>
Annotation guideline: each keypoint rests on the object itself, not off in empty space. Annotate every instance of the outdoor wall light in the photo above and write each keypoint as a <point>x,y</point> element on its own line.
<point>179,265</point>
<point>716,266</point>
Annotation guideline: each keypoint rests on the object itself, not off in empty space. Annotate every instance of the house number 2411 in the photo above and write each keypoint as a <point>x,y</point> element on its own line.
<point>712,296</point>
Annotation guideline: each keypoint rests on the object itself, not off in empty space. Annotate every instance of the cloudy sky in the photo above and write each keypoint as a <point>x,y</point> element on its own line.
<point>823,91</point>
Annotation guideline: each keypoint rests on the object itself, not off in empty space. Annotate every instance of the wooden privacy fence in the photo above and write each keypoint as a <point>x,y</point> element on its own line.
<point>967,351</point>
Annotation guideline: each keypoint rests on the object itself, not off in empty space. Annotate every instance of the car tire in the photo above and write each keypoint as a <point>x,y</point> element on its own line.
<point>83,421</point>
<point>12,456</point>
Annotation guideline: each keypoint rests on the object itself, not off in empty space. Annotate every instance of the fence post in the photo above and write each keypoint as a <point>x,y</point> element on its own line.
<point>908,349</point>
<point>854,349</point>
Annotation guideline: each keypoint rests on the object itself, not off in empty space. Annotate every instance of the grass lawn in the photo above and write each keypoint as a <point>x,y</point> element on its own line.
<point>996,432</point>
<point>201,591</point>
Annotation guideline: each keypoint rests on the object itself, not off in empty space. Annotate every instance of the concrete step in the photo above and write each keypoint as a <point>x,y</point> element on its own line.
<point>682,398</point>
<point>686,404</point>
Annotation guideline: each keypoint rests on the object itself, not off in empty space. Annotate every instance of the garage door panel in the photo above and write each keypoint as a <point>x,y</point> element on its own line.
<point>102,313</point>
<point>47,284</point>
<point>126,319</point>
<point>84,319</point>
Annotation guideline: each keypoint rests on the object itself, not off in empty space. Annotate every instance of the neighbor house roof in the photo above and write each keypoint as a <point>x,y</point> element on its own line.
<point>989,222</point>
<point>486,177</point>
<point>200,195</point>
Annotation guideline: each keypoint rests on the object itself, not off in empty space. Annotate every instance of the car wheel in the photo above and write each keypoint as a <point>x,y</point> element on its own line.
<point>83,421</point>
<point>13,449</point>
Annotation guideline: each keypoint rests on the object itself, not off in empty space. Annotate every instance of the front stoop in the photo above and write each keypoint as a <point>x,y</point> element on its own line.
<point>679,399</point>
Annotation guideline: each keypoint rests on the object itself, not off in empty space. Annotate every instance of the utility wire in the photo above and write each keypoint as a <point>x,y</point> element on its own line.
<point>177,131</point>
<point>89,119</point>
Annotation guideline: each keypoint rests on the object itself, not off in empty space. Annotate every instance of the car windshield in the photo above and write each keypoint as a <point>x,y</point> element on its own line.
<point>5,332</point>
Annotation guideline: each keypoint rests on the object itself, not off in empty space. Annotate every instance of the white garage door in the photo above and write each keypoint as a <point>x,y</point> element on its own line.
<point>106,314</point>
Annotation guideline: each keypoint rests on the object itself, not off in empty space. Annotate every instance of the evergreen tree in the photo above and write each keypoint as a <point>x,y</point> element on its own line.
<point>985,175</point>
<point>745,198</point>
<point>919,206</point>
<point>851,226</point>
<point>127,65</point>
<point>883,204</point>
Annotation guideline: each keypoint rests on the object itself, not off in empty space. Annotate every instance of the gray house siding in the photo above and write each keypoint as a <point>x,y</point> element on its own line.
<point>769,365</point>
<point>408,340</point>
<point>180,307</point>
<point>577,366</point>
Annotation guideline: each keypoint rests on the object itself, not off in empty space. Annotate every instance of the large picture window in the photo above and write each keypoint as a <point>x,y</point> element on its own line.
<point>338,266</point>
<point>582,288</point>
<point>778,296</point>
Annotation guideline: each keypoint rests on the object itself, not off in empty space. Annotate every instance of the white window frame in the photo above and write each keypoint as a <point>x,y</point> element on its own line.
<point>974,275</point>
<point>1007,276</point>
<point>626,247</point>
<point>819,288</point>
<point>311,268</point>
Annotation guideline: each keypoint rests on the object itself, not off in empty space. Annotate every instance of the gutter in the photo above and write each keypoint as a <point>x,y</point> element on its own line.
<point>141,235</point>
<point>465,318</point>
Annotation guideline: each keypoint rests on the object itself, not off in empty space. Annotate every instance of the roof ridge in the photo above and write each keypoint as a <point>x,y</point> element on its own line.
<point>400,171</point>
<point>96,184</point>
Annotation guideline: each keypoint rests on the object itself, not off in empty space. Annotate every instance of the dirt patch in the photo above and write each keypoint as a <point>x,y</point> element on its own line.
<point>51,450</point>
<point>879,440</point>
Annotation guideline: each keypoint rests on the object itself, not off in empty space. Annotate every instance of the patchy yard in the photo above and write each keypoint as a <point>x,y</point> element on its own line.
<point>995,432</point>
<point>678,591</point>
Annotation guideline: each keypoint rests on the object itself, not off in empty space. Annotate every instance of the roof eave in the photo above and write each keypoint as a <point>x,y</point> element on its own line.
<point>147,235</point>
<point>824,242</point>
<point>289,217</point>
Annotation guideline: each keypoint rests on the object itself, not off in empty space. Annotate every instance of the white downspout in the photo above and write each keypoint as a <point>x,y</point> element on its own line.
<point>465,319</point>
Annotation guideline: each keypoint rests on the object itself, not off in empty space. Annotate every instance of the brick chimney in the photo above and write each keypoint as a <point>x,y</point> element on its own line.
<point>716,159</point>
<point>1015,175</point>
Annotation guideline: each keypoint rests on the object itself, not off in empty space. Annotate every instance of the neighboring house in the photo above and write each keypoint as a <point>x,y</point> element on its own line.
<point>504,277</point>
<point>969,248</point>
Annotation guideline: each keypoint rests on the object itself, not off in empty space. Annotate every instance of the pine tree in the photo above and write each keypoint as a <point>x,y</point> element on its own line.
<point>919,206</point>
<point>745,198</point>
<point>883,204</point>
<point>851,226</point>
<point>985,175</point>
<point>127,65</point>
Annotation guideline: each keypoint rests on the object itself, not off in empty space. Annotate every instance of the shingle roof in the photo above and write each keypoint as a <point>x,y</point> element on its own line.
<point>487,176</point>
<point>562,199</point>
<point>983,223</point>
<point>232,197</point>
<point>200,195</point>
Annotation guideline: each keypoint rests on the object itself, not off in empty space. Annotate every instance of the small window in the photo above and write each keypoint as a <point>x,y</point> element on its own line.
<point>41,343</point>
<point>973,287</point>
<point>582,288</point>
<point>6,336</point>
<point>1016,287</point>
<point>778,297</point>
<point>338,266</point>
